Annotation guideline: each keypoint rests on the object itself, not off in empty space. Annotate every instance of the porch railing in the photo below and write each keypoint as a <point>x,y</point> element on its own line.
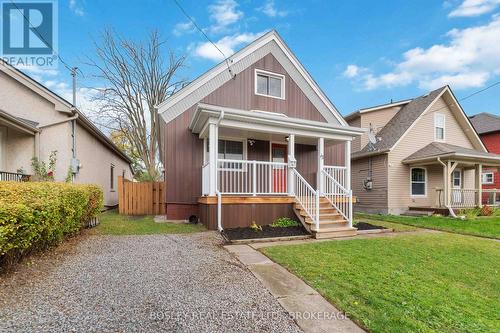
<point>251,177</point>
<point>491,197</point>
<point>464,198</point>
<point>307,197</point>
<point>14,177</point>
<point>338,195</point>
<point>336,172</point>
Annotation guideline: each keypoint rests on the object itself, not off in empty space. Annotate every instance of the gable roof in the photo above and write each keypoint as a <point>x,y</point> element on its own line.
<point>485,123</point>
<point>441,149</point>
<point>404,119</point>
<point>60,104</point>
<point>270,42</point>
<point>354,114</point>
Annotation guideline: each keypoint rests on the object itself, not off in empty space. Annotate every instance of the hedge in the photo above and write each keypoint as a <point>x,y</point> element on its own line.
<point>36,215</point>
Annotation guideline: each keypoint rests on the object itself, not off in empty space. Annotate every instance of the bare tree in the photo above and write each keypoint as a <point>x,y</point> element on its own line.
<point>136,76</point>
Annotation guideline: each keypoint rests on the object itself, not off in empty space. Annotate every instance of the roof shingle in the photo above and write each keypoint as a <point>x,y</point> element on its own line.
<point>485,123</point>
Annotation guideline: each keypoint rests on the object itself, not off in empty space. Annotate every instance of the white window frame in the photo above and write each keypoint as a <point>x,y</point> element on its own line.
<point>492,178</point>
<point>227,138</point>
<point>436,116</point>
<point>276,75</point>
<point>425,182</point>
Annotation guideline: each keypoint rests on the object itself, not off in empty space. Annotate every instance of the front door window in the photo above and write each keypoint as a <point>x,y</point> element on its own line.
<point>279,155</point>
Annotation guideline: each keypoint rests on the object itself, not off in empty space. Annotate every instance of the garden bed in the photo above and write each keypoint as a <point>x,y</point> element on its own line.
<point>368,226</point>
<point>266,232</point>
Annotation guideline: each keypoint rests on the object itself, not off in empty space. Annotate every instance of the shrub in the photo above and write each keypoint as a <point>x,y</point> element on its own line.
<point>36,215</point>
<point>284,222</point>
<point>470,213</point>
<point>486,211</point>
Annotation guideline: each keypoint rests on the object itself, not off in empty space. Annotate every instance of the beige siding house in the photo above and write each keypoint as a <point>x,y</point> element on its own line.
<point>34,121</point>
<point>421,154</point>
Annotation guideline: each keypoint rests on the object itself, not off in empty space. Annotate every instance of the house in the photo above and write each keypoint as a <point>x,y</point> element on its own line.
<point>34,121</point>
<point>487,125</point>
<point>254,139</point>
<point>419,154</point>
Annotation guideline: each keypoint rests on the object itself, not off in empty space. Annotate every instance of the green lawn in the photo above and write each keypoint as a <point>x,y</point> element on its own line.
<point>411,283</point>
<point>111,223</point>
<point>480,226</point>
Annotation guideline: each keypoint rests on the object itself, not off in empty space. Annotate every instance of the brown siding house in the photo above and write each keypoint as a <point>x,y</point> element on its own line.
<point>250,138</point>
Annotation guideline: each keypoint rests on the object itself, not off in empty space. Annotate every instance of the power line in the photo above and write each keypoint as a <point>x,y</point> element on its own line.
<point>204,34</point>
<point>480,91</point>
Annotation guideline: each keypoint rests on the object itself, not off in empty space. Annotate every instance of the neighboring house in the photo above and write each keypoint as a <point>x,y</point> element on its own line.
<point>257,130</point>
<point>35,121</point>
<point>421,154</point>
<point>488,127</point>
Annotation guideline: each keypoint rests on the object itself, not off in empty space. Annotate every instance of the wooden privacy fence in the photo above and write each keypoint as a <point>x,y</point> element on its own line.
<point>141,198</point>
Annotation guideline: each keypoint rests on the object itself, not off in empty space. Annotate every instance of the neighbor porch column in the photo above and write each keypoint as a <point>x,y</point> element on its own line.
<point>347,163</point>
<point>479,184</point>
<point>291,164</point>
<point>212,157</point>
<point>321,163</point>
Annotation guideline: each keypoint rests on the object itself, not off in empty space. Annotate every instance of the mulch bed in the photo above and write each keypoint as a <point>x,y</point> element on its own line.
<point>267,232</point>
<point>368,226</point>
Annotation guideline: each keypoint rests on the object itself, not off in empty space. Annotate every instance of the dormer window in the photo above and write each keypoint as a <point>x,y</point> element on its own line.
<point>439,127</point>
<point>269,84</point>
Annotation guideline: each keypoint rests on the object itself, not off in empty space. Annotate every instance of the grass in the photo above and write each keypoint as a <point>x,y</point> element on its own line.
<point>111,223</point>
<point>397,227</point>
<point>480,226</point>
<point>412,283</point>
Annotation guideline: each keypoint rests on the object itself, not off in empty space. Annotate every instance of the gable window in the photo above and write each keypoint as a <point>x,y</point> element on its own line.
<point>112,177</point>
<point>488,178</point>
<point>269,84</point>
<point>418,182</point>
<point>439,127</point>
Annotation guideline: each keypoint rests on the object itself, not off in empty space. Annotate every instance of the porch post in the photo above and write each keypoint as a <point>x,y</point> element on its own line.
<point>479,184</point>
<point>347,164</point>
<point>291,164</point>
<point>212,157</point>
<point>321,163</point>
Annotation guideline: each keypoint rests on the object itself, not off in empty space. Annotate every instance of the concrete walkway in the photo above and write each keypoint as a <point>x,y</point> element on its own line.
<point>309,309</point>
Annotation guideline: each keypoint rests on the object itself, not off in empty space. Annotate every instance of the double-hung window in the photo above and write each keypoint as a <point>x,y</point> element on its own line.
<point>269,84</point>
<point>439,127</point>
<point>418,182</point>
<point>487,178</point>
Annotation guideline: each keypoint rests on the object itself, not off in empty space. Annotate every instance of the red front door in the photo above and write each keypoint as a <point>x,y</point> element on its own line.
<point>279,154</point>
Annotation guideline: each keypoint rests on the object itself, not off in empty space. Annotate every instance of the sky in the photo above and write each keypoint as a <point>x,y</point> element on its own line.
<point>361,53</point>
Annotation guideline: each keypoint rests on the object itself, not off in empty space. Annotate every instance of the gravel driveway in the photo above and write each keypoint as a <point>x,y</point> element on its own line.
<point>175,283</point>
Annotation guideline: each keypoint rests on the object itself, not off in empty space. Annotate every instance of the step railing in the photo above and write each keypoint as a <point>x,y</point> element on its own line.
<point>251,177</point>
<point>338,196</point>
<point>337,172</point>
<point>307,197</point>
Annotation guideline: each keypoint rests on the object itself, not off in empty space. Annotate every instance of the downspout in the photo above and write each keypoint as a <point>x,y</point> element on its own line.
<point>452,213</point>
<point>217,192</point>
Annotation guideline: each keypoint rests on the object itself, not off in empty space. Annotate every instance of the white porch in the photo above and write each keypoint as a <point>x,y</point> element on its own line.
<point>277,174</point>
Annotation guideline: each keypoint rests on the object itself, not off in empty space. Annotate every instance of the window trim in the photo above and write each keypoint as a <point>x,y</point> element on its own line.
<point>206,158</point>
<point>492,178</point>
<point>276,75</point>
<point>112,177</point>
<point>425,182</point>
<point>436,115</point>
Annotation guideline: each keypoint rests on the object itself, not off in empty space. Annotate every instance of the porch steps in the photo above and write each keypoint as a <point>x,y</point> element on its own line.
<point>331,223</point>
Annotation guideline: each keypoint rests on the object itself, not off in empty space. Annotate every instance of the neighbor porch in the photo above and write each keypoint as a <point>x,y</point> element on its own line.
<point>260,165</point>
<point>450,177</point>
